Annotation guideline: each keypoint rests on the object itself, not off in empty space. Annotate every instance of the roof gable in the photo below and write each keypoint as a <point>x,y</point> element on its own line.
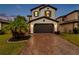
<point>67,14</point>
<point>43,6</point>
<point>71,12</point>
<point>43,17</point>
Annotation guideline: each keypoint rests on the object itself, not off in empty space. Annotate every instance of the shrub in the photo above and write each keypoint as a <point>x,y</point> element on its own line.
<point>18,27</point>
<point>2,32</point>
<point>58,32</point>
<point>76,30</point>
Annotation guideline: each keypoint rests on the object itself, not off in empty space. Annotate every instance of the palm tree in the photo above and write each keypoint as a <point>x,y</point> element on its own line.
<point>18,27</point>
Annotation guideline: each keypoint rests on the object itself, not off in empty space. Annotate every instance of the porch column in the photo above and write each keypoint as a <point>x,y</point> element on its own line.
<point>55,27</point>
<point>31,28</point>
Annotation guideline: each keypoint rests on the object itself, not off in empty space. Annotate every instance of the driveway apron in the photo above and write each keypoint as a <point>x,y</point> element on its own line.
<point>49,44</point>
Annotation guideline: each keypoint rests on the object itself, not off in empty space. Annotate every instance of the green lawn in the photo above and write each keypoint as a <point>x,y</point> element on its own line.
<point>74,38</point>
<point>10,48</point>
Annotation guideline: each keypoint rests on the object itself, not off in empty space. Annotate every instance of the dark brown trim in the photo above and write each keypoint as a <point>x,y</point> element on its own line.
<point>44,5</point>
<point>48,6</point>
<point>59,17</point>
<point>73,25</point>
<point>78,15</point>
<point>37,7</point>
<point>43,17</point>
<point>4,22</point>
<point>72,12</point>
<point>70,22</point>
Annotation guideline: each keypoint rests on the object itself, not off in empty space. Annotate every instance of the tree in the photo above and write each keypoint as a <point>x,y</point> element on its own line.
<point>18,27</point>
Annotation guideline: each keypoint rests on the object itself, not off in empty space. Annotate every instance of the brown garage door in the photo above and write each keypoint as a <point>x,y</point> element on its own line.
<point>43,28</point>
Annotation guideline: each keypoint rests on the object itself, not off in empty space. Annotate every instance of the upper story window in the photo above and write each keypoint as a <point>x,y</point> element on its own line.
<point>63,19</point>
<point>48,13</point>
<point>36,13</point>
<point>78,25</point>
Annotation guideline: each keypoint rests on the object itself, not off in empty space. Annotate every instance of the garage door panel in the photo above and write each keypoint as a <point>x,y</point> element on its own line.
<point>43,28</point>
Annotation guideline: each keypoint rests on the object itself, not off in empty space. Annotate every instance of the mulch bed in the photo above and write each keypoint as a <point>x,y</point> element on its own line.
<point>19,39</point>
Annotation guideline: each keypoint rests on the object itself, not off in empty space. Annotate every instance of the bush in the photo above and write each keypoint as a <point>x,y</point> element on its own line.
<point>18,27</point>
<point>58,32</point>
<point>76,30</point>
<point>18,35</point>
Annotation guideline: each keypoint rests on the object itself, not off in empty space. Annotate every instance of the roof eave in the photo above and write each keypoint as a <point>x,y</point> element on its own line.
<point>45,6</point>
<point>43,17</point>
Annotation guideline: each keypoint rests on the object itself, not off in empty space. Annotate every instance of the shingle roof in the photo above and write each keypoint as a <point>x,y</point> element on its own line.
<point>4,21</point>
<point>68,14</point>
<point>71,21</point>
<point>43,6</point>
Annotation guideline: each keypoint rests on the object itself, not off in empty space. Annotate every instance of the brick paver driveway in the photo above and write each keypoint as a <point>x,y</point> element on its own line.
<point>44,44</point>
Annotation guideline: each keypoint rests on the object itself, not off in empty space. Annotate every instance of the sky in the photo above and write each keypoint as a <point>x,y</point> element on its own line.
<point>24,9</point>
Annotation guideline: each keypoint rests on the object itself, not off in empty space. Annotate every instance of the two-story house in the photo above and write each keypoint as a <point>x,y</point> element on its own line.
<point>68,22</point>
<point>43,20</point>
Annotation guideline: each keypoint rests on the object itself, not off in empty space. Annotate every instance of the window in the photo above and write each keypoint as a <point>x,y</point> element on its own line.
<point>78,25</point>
<point>36,13</point>
<point>48,13</point>
<point>63,19</point>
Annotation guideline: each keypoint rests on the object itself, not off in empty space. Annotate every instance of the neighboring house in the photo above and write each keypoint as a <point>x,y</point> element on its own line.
<point>68,22</point>
<point>4,20</point>
<point>3,23</point>
<point>43,20</point>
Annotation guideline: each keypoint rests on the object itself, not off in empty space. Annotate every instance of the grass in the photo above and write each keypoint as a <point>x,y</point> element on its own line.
<point>74,38</point>
<point>10,48</point>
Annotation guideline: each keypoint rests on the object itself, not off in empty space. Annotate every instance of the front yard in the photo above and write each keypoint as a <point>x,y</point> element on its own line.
<point>74,38</point>
<point>14,48</point>
<point>10,48</point>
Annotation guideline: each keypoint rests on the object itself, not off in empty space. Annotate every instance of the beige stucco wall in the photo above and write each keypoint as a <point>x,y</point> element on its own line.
<point>41,21</point>
<point>53,12</point>
<point>75,25</point>
<point>60,28</point>
<point>42,12</point>
<point>33,17</point>
<point>60,19</point>
<point>67,27</point>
